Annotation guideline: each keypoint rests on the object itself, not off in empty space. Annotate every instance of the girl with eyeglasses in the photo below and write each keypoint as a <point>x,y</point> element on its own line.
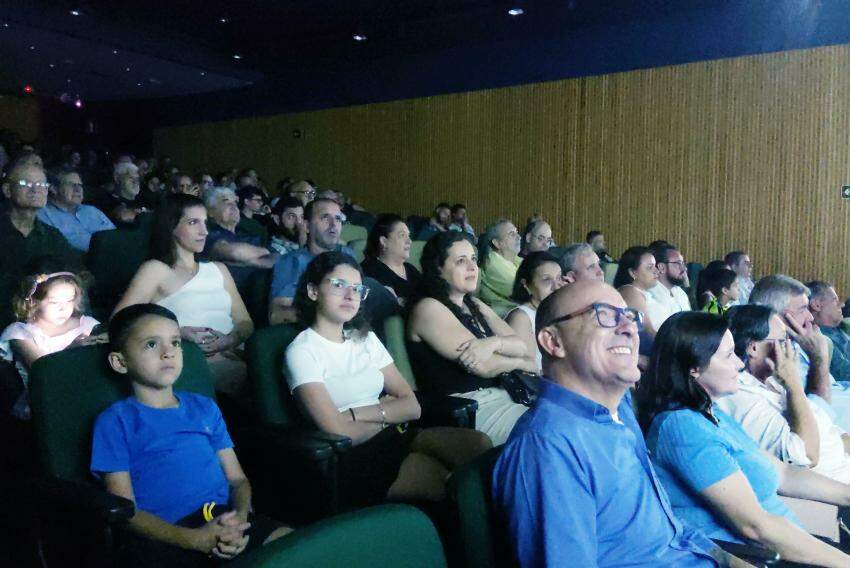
<point>346,383</point>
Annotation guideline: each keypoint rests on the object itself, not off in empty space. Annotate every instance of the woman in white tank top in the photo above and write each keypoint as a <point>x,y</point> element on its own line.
<point>202,294</point>
<point>538,276</point>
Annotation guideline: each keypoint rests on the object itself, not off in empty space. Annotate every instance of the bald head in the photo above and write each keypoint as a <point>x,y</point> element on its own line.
<point>579,295</point>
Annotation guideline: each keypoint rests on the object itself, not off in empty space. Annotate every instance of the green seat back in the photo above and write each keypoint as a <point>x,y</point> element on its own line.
<point>482,535</point>
<point>69,389</point>
<point>256,297</point>
<point>416,254</point>
<point>113,259</point>
<point>351,232</point>
<point>264,353</point>
<point>400,536</point>
<point>394,340</point>
<point>358,246</point>
<point>609,269</point>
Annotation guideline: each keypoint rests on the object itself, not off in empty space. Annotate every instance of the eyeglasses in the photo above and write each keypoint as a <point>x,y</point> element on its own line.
<point>775,340</point>
<point>678,263</point>
<point>547,240</point>
<point>309,193</point>
<point>339,287</point>
<point>31,185</point>
<point>606,315</point>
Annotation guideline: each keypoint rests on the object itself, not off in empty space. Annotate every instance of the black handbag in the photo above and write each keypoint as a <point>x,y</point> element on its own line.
<point>522,386</point>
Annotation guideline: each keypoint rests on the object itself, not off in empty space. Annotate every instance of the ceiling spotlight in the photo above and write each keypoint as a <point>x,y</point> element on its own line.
<point>138,84</point>
<point>223,20</point>
<point>127,69</point>
<point>237,56</point>
<point>52,65</point>
<point>5,24</point>
<point>516,12</point>
<point>78,103</point>
<point>114,52</point>
<point>359,37</point>
<point>28,89</point>
<point>75,12</point>
<point>32,48</point>
<point>203,73</point>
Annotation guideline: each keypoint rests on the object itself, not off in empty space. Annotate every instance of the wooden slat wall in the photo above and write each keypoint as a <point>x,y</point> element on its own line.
<point>741,153</point>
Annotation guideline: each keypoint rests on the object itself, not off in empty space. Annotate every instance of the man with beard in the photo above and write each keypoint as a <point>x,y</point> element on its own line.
<point>289,229</point>
<point>596,240</point>
<point>672,279</point>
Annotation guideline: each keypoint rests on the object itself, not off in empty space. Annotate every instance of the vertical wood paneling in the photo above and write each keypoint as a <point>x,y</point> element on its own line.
<point>741,153</point>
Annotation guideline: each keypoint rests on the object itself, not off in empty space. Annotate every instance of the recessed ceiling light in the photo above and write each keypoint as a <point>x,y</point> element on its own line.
<point>223,20</point>
<point>32,48</point>
<point>114,52</point>
<point>359,37</point>
<point>127,69</point>
<point>68,80</point>
<point>28,89</point>
<point>138,84</point>
<point>5,24</point>
<point>52,65</point>
<point>75,12</point>
<point>516,12</point>
<point>78,103</point>
<point>237,56</point>
<point>203,73</point>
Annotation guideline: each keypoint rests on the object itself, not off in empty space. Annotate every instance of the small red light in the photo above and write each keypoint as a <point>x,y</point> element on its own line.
<point>28,89</point>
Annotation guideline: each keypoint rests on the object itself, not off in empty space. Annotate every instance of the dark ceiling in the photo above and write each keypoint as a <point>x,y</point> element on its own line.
<point>128,49</point>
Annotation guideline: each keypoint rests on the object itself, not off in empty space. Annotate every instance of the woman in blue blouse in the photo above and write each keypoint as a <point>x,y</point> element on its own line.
<point>718,479</point>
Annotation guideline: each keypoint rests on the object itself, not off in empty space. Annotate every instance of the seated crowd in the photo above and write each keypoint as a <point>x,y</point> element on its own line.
<point>640,422</point>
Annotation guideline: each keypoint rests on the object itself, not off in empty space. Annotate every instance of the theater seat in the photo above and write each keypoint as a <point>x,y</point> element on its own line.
<point>400,536</point>
<point>351,232</point>
<point>358,246</point>
<point>113,259</point>
<point>609,269</point>
<point>416,254</point>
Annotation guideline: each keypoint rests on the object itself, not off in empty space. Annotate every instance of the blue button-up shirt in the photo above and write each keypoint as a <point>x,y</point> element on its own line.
<point>289,268</point>
<point>578,489</point>
<point>76,227</point>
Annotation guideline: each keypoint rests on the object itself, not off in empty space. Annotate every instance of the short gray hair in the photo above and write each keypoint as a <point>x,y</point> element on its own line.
<point>775,291</point>
<point>571,254</point>
<point>124,168</point>
<point>214,195</point>
<point>817,288</point>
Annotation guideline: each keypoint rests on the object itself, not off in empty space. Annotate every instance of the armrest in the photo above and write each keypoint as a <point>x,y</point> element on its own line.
<point>71,497</point>
<point>310,444</point>
<point>447,410</point>
<point>750,552</point>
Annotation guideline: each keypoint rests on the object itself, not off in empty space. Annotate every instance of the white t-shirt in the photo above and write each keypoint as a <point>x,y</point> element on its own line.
<point>673,300</point>
<point>351,371</point>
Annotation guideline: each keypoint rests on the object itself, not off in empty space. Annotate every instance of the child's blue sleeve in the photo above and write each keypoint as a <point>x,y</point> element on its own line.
<point>220,439</point>
<point>110,448</point>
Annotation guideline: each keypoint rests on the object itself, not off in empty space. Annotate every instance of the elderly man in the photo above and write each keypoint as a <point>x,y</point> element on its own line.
<point>580,262</point>
<point>302,191</point>
<point>741,265</point>
<point>826,310</point>
<point>122,204</point>
<point>24,240</point>
<point>324,220</point>
<point>182,183</point>
<point>65,211</point>
<point>498,256</point>
<point>672,280</point>
<point>242,252</point>
<point>574,480</point>
<point>790,299</point>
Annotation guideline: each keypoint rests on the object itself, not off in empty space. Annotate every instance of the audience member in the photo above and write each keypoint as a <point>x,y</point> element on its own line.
<point>580,262</point>
<point>152,191</point>
<point>438,223</point>
<point>169,453</point>
<point>826,311</point>
<point>324,221</point>
<point>253,211</point>
<point>597,241</point>
<point>718,479</point>
<point>574,480</point>
<point>288,230</point>
<point>347,384</point>
<point>204,181</point>
<point>386,254</point>
<point>498,256</point>
<point>65,212</point>
<point>636,274</point>
<point>457,344</point>
<point>672,279</point>
<point>538,276</point>
<point>537,237</point>
<point>302,191</point>
<point>739,262</point>
<point>24,240</point>
<point>460,222</point>
<point>182,183</point>
<point>771,404</point>
<point>203,295</point>
<point>720,290</point>
<point>121,204</point>
<point>242,251</point>
<point>49,312</point>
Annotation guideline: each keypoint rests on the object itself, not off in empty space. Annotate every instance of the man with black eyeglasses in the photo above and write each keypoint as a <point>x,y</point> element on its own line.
<point>324,220</point>
<point>672,281</point>
<point>574,480</point>
<point>24,239</point>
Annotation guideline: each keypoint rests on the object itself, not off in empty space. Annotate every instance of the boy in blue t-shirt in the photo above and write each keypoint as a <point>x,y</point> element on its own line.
<point>170,452</point>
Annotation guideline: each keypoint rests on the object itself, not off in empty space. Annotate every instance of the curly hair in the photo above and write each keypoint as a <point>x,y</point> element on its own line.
<point>432,284</point>
<point>687,340</point>
<point>317,270</point>
<point>33,291</point>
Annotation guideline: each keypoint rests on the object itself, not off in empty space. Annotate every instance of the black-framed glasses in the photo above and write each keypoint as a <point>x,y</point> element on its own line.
<point>606,315</point>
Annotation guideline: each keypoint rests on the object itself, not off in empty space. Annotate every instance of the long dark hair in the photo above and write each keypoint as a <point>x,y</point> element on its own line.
<point>165,220</point>
<point>319,267</point>
<point>748,323</point>
<point>686,341</point>
<point>713,281</point>
<point>629,261</point>
<point>525,274</point>
<point>432,284</point>
<point>382,228</point>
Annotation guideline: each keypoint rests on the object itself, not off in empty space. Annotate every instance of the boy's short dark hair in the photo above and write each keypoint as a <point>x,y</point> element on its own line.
<point>122,323</point>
